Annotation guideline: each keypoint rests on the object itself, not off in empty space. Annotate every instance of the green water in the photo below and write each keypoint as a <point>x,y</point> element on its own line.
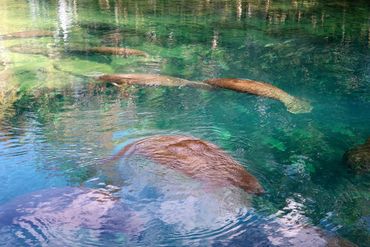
<point>57,123</point>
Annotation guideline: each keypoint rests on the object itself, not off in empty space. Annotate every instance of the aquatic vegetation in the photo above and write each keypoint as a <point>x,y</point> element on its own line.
<point>81,67</point>
<point>8,91</point>
<point>274,143</point>
<point>58,123</point>
<point>300,165</point>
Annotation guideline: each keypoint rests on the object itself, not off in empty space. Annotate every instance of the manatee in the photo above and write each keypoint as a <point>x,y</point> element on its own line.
<point>62,216</point>
<point>34,50</point>
<point>72,216</point>
<point>293,104</point>
<point>195,158</point>
<point>126,52</point>
<point>149,80</point>
<point>113,38</point>
<point>358,158</point>
<point>27,34</point>
<point>291,230</point>
<point>97,26</point>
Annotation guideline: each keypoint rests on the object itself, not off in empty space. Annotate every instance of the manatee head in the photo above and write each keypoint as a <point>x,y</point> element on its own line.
<point>296,106</point>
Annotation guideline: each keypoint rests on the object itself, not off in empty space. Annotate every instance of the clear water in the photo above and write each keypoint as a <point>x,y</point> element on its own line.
<point>57,125</point>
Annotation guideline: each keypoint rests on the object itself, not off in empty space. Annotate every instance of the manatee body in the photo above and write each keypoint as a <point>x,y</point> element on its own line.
<point>38,50</point>
<point>113,38</point>
<point>358,158</point>
<point>288,231</point>
<point>149,80</point>
<point>293,104</point>
<point>195,158</point>
<point>63,217</point>
<point>34,50</point>
<point>27,34</point>
<point>126,52</point>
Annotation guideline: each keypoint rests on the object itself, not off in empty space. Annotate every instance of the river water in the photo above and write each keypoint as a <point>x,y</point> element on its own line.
<point>58,125</point>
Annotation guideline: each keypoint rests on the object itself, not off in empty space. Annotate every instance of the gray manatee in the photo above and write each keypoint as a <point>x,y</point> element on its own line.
<point>27,34</point>
<point>125,52</point>
<point>150,80</point>
<point>85,217</point>
<point>64,216</point>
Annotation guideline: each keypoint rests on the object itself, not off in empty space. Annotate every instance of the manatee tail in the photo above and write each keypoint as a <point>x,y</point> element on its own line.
<point>297,106</point>
<point>58,68</point>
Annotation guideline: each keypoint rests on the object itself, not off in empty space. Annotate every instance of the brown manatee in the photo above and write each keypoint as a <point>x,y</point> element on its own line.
<point>27,34</point>
<point>195,158</point>
<point>293,104</point>
<point>126,52</point>
<point>64,216</point>
<point>149,80</point>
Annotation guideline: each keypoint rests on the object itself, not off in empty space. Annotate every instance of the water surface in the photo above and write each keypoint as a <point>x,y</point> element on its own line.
<point>57,124</point>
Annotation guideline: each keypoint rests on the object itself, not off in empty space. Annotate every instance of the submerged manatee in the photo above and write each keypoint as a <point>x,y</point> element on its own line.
<point>195,158</point>
<point>64,217</point>
<point>293,104</point>
<point>35,50</point>
<point>358,158</point>
<point>81,216</point>
<point>27,34</point>
<point>149,80</point>
<point>126,52</point>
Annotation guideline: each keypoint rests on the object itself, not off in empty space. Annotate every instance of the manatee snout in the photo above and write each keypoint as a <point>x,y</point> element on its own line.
<point>251,185</point>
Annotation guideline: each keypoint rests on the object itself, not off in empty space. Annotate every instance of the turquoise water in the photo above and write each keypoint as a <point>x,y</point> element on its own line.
<point>58,124</point>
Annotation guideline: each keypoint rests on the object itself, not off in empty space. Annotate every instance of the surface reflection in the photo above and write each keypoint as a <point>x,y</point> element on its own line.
<point>67,13</point>
<point>58,123</point>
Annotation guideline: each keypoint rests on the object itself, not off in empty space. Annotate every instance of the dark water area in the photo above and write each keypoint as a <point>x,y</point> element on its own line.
<point>58,125</point>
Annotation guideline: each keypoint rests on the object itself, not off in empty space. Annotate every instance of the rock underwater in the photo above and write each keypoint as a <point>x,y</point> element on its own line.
<point>358,158</point>
<point>293,104</point>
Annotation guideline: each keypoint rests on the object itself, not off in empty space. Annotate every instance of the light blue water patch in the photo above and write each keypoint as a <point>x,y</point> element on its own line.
<point>21,176</point>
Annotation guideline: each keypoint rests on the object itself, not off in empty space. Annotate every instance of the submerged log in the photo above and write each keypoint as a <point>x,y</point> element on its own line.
<point>149,80</point>
<point>293,104</point>
<point>27,34</point>
<point>195,158</point>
